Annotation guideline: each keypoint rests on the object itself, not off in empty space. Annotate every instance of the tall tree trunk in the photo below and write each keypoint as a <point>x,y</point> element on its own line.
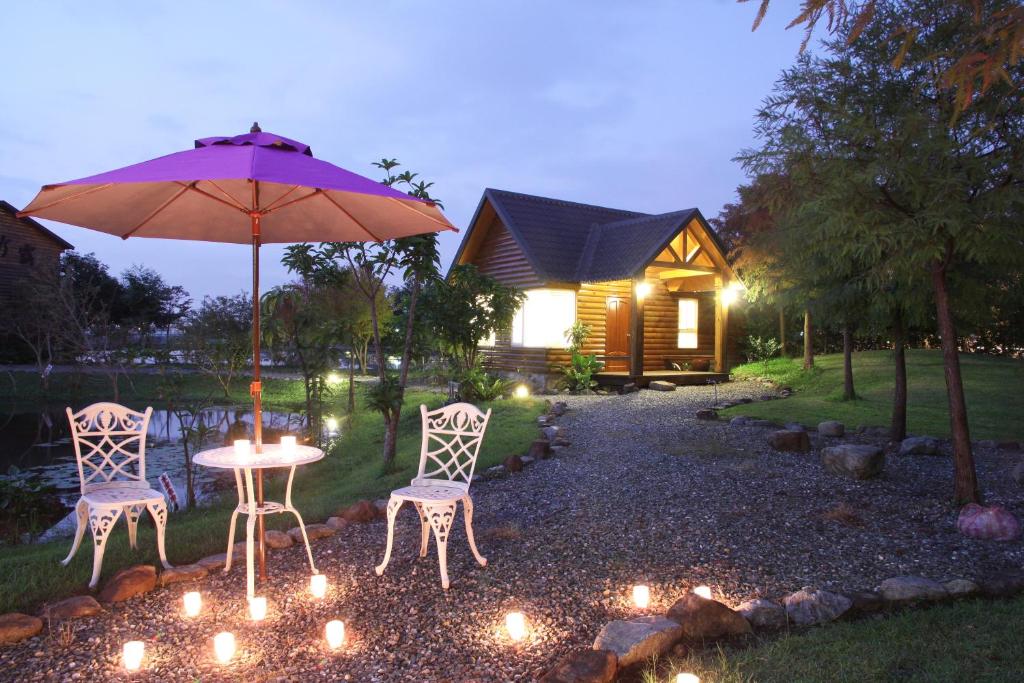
<point>898,426</point>
<point>808,340</point>
<point>395,415</point>
<point>351,380</point>
<point>848,393</point>
<point>782,332</point>
<point>965,483</point>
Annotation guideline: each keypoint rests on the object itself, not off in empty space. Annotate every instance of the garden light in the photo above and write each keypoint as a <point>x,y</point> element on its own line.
<point>703,591</point>
<point>641,596</point>
<point>335,632</point>
<point>522,391</point>
<point>193,603</point>
<point>131,654</point>
<point>515,624</point>
<point>258,608</point>
<point>687,678</point>
<point>224,646</point>
<point>318,585</point>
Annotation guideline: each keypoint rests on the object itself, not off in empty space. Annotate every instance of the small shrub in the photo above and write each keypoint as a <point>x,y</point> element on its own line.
<point>578,375</point>
<point>27,506</point>
<point>477,385</point>
<point>762,350</point>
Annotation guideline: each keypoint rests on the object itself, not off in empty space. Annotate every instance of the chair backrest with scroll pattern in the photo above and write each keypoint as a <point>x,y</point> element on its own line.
<point>110,445</point>
<point>451,443</point>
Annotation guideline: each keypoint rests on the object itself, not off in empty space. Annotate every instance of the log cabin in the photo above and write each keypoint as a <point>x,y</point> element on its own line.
<point>24,245</point>
<point>655,290</point>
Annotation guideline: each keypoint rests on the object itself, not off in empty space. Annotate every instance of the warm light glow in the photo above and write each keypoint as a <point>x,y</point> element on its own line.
<point>335,634</point>
<point>643,289</point>
<point>544,317</point>
<point>318,585</point>
<point>515,623</point>
<point>193,603</point>
<point>242,449</point>
<point>131,654</point>
<point>703,591</point>
<point>731,292</point>
<point>332,424</point>
<point>258,608</point>
<point>334,378</point>
<point>224,646</point>
<point>522,391</point>
<point>687,678</point>
<point>288,445</point>
<point>641,596</point>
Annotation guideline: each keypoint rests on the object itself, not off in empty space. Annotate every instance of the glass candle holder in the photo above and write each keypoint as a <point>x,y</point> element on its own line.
<point>242,448</point>
<point>132,653</point>
<point>318,585</point>
<point>193,603</point>
<point>335,632</point>
<point>515,624</point>
<point>224,646</point>
<point>641,596</point>
<point>258,608</point>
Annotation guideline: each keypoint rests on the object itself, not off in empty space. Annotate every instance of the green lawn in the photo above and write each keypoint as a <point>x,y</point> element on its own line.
<point>975,640</point>
<point>995,402</point>
<point>352,470</point>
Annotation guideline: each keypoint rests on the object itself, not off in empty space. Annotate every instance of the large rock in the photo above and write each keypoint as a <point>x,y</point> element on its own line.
<point>15,627</point>
<point>1002,585</point>
<point>790,440</point>
<point>704,619</point>
<point>919,445</point>
<point>540,449</point>
<point>912,589</point>
<point>1017,473</point>
<point>660,385</point>
<point>961,588</point>
<point>854,460</point>
<point>214,562</point>
<point>336,523</point>
<point>128,583</point>
<point>993,523</point>
<point>864,602</point>
<point>559,408</point>
<point>513,463</point>
<point>763,614</point>
<point>706,414</point>
<point>278,540</point>
<point>78,606</point>
<point>584,666</point>
<point>184,572</point>
<point>739,421</point>
<point>638,639</point>
<point>810,606</point>
<point>550,433</point>
<point>831,428</point>
<point>361,511</point>
<point>313,532</point>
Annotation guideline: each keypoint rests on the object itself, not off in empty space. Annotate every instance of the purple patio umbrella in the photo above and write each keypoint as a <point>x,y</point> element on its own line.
<point>255,188</point>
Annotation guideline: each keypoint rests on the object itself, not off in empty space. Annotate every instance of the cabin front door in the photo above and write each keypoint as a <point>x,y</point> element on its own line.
<point>616,340</point>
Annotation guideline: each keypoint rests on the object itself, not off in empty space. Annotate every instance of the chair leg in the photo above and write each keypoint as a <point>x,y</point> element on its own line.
<point>158,510</point>
<point>231,541</point>
<point>467,514</point>
<point>81,522</point>
<point>131,515</point>
<point>441,517</point>
<point>424,529</point>
<point>101,520</point>
<point>393,505</point>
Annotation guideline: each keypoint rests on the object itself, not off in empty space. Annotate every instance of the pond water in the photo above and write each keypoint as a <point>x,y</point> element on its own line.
<point>40,441</point>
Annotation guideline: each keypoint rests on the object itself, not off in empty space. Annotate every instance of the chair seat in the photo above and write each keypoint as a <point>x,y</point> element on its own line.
<point>116,497</point>
<point>433,493</point>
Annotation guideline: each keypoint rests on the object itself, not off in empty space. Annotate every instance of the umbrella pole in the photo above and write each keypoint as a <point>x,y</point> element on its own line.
<point>256,389</point>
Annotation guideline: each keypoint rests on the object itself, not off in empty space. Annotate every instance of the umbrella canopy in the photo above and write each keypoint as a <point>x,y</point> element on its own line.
<point>210,193</point>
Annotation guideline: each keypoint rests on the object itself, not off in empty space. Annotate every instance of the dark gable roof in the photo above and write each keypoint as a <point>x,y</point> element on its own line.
<point>571,242</point>
<point>49,233</point>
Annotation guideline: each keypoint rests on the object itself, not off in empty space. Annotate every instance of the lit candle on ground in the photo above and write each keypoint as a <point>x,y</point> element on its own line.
<point>132,653</point>
<point>242,449</point>
<point>335,634</point>
<point>258,608</point>
<point>687,678</point>
<point>703,591</point>
<point>641,596</point>
<point>224,646</point>
<point>288,445</point>
<point>515,623</point>
<point>193,603</point>
<point>318,585</point>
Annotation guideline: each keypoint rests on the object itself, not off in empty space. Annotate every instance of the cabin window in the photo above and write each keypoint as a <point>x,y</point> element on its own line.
<point>544,318</point>
<point>687,324</point>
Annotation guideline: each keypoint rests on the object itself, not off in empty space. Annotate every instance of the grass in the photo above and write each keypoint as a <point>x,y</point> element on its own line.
<point>994,401</point>
<point>975,640</point>
<point>352,470</point>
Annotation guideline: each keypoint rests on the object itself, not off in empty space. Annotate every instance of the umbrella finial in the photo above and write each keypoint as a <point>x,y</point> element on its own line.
<point>255,127</point>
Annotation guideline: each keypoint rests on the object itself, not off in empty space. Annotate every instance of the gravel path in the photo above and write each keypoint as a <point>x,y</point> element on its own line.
<point>644,493</point>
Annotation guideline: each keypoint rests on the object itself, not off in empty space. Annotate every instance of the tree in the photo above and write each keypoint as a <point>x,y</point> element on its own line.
<point>218,337</point>
<point>467,308</point>
<point>146,303</point>
<point>898,180</point>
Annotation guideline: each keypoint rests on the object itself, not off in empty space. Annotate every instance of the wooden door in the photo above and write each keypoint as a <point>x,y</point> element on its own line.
<point>616,340</point>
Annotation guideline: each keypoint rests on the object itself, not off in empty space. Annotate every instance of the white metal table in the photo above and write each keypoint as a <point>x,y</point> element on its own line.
<point>272,456</point>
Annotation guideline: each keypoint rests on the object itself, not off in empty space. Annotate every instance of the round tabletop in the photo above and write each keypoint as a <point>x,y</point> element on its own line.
<point>273,455</point>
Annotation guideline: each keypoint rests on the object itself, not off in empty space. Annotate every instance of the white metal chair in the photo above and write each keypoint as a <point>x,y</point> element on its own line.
<point>451,441</point>
<point>110,446</point>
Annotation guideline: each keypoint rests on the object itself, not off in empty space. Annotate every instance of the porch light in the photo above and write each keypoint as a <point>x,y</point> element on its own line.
<point>703,591</point>
<point>131,654</point>
<point>335,632</point>
<point>687,678</point>
<point>641,596</point>
<point>193,603</point>
<point>258,608</point>
<point>731,293</point>
<point>522,391</point>
<point>318,585</point>
<point>224,646</point>
<point>643,289</point>
<point>515,624</point>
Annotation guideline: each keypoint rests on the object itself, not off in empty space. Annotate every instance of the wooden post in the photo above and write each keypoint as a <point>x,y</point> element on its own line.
<point>636,329</point>
<point>721,326</point>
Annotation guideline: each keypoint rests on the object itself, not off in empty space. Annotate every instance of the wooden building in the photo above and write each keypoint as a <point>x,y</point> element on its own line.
<point>24,245</point>
<point>655,289</point>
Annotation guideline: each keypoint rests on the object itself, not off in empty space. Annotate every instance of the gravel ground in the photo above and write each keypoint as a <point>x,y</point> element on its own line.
<point>644,493</point>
